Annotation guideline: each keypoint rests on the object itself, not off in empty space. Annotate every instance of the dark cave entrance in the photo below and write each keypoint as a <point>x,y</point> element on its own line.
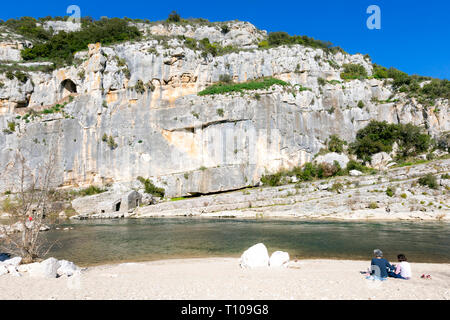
<point>68,87</point>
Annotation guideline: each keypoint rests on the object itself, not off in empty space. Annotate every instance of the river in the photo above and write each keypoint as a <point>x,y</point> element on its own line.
<point>93,242</point>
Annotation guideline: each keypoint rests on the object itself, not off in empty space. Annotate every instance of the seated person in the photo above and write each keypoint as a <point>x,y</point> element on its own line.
<point>402,270</point>
<point>379,266</point>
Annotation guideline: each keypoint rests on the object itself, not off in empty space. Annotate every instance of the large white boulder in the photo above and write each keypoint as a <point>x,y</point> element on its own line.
<point>46,269</point>
<point>330,157</point>
<point>380,160</point>
<point>12,262</point>
<point>279,258</point>
<point>67,268</point>
<point>255,256</point>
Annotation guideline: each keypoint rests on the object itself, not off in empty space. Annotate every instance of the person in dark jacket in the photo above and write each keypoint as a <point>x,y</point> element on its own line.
<point>379,266</point>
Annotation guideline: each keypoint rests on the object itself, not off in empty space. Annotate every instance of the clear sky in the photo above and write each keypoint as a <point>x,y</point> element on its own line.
<point>414,35</point>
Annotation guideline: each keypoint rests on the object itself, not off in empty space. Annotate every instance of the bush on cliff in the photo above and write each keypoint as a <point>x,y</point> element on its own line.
<point>221,88</point>
<point>173,17</point>
<point>310,171</point>
<point>353,71</point>
<point>279,38</point>
<point>429,181</point>
<point>61,47</point>
<point>150,188</point>
<point>380,137</point>
<point>402,82</point>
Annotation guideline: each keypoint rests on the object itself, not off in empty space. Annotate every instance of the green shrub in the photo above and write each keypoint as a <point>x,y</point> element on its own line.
<point>373,205</point>
<point>282,38</point>
<point>355,165</point>
<point>224,29</point>
<point>28,27</point>
<point>379,72</point>
<point>22,77</point>
<point>380,136</point>
<point>321,81</point>
<point>9,75</point>
<point>429,181</point>
<point>173,17</point>
<point>274,180</point>
<point>61,46</point>
<point>353,71</point>
<point>335,144</point>
<point>263,44</point>
<point>139,87</point>
<point>220,112</point>
<point>150,188</point>
<point>11,126</point>
<point>112,143</point>
<point>390,192</point>
<point>225,78</point>
<point>191,43</point>
<point>221,88</point>
<point>89,191</point>
<point>360,104</point>
<point>337,187</point>
<point>403,82</point>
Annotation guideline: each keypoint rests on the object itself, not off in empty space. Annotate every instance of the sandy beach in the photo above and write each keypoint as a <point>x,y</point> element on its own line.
<point>222,278</point>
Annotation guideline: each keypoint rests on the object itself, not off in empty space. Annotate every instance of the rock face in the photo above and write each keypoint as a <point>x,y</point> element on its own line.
<point>278,259</point>
<point>143,98</point>
<point>255,256</point>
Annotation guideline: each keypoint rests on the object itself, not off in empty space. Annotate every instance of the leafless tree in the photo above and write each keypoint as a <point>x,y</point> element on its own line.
<point>28,208</point>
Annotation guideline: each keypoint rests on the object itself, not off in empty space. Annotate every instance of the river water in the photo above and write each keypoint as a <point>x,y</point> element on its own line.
<point>94,242</point>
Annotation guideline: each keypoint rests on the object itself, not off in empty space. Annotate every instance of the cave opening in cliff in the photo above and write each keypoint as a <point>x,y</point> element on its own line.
<point>68,87</point>
<point>117,208</point>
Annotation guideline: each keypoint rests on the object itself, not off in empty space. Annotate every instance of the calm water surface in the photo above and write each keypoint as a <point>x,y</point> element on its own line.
<point>98,242</point>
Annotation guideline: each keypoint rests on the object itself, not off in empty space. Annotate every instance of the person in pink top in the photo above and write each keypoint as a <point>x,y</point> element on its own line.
<point>402,269</point>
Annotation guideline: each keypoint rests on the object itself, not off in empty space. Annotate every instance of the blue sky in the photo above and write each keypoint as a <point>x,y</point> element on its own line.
<point>414,35</point>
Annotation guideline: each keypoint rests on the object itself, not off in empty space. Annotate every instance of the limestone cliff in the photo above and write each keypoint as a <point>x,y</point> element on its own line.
<point>132,109</point>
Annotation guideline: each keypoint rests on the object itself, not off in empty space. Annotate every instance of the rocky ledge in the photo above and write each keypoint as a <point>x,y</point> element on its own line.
<point>350,197</point>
